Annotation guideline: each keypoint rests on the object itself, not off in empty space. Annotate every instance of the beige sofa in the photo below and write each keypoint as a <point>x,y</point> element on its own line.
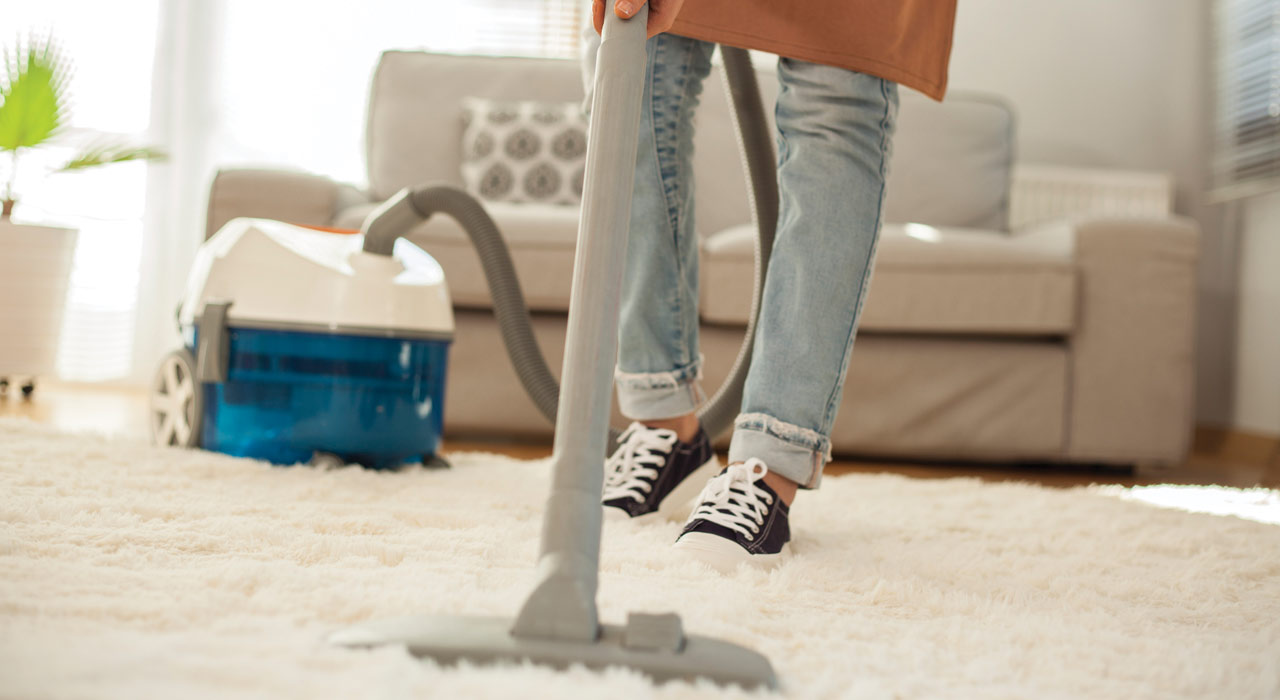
<point>1016,313</point>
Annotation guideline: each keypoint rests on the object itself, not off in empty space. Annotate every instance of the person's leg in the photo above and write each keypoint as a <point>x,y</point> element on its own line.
<point>658,361</point>
<point>664,454</point>
<point>835,130</point>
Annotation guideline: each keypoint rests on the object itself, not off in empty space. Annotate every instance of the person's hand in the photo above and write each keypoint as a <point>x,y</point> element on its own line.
<point>662,13</point>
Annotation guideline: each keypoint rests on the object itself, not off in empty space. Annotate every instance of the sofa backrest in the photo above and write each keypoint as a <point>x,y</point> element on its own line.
<point>951,164</point>
<point>414,129</point>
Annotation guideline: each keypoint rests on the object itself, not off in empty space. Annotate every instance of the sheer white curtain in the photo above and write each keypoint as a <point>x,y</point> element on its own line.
<point>284,83</point>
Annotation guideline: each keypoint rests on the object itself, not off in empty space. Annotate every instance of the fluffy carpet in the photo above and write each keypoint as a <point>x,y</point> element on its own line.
<point>130,571</point>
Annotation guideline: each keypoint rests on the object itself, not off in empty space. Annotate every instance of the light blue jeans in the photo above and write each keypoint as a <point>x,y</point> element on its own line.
<point>834,136</point>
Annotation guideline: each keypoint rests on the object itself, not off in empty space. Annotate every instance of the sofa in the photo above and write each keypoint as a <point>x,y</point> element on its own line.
<point>1017,312</point>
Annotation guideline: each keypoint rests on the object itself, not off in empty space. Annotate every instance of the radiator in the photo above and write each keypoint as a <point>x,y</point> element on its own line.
<point>1042,192</point>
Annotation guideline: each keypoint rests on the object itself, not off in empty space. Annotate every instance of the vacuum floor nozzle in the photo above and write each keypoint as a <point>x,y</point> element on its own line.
<point>652,644</point>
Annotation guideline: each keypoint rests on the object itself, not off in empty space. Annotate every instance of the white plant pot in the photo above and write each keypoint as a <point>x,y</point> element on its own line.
<point>35,271</point>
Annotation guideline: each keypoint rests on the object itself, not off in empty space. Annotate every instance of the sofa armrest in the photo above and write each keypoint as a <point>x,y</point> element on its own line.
<point>295,197</point>
<point>1133,352</point>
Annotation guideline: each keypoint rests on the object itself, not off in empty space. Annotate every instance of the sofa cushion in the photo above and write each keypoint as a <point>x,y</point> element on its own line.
<point>926,279</point>
<point>952,162</point>
<point>524,151</point>
<point>929,280</point>
<point>541,238</point>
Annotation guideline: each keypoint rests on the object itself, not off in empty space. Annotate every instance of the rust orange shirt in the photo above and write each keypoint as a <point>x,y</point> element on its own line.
<point>906,41</point>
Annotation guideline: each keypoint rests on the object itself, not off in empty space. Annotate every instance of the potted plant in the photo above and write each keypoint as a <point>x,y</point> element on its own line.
<point>35,260</point>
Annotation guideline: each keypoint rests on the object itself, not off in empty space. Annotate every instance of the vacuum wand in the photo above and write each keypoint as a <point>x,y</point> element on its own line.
<point>563,603</point>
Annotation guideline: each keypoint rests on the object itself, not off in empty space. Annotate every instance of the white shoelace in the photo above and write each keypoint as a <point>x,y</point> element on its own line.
<point>733,500</point>
<point>642,451</point>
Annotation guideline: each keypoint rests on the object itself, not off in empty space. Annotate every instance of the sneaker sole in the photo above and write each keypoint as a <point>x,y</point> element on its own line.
<point>725,555</point>
<point>676,502</point>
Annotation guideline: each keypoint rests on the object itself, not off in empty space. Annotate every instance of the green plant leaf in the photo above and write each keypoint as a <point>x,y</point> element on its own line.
<point>33,95</point>
<point>105,154</point>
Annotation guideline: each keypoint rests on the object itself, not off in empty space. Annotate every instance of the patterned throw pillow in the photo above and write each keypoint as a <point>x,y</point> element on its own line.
<point>524,151</point>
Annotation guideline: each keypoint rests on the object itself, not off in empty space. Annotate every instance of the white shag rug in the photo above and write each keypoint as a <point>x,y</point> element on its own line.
<point>128,571</point>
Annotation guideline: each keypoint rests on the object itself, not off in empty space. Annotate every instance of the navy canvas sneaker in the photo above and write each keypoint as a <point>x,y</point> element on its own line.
<point>652,474</point>
<point>738,519</point>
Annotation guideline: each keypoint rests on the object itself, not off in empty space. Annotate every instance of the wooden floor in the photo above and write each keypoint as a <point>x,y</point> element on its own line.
<point>1228,458</point>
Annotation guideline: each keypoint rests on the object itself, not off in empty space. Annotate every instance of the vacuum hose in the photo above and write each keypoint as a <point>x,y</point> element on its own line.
<point>411,206</point>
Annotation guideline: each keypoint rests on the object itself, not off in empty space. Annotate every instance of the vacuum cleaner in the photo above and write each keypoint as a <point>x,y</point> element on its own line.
<point>300,346</point>
<point>349,362</point>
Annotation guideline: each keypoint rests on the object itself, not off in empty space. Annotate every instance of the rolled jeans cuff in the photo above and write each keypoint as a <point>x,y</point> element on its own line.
<point>660,395</point>
<point>787,450</point>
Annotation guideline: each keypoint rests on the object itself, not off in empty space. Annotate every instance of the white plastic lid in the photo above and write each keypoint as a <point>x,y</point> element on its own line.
<point>279,275</point>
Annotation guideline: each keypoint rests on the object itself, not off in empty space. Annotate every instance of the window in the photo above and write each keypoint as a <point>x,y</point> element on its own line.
<point>293,86</point>
<point>1247,130</point>
<point>550,28</point>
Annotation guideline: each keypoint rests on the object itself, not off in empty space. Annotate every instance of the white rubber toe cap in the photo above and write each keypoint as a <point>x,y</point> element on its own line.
<point>724,555</point>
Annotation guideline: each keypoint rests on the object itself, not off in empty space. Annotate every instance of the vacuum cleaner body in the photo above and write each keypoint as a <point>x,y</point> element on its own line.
<point>303,345</point>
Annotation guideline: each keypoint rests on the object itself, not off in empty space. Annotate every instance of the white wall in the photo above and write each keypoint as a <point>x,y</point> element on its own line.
<point>1257,400</point>
<point>1116,84</point>
<point>1094,82</point>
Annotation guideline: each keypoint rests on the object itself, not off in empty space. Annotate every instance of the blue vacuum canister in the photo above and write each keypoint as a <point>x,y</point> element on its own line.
<point>299,346</point>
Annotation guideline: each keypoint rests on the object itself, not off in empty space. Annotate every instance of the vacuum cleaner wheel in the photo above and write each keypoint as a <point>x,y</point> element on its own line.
<point>435,462</point>
<point>177,407</point>
<point>326,461</point>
